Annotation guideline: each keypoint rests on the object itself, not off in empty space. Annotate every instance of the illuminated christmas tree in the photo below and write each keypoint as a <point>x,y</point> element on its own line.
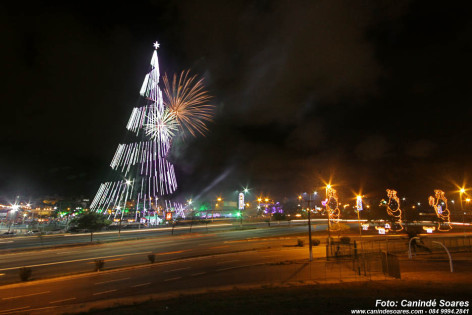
<point>145,175</point>
<point>144,178</point>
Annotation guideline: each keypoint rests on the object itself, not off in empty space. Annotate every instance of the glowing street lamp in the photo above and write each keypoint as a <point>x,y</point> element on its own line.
<point>218,199</point>
<point>329,221</point>
<point>461,192</point>
<point>359,208</point>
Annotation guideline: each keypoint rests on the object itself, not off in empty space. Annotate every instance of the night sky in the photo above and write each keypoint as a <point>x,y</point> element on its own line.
<point>372,94</point>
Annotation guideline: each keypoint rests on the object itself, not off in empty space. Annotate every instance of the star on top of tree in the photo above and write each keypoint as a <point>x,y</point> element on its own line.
<point>156,45</point>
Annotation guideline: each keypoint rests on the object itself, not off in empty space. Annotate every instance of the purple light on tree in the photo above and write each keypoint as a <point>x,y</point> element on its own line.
<point>273,208</point>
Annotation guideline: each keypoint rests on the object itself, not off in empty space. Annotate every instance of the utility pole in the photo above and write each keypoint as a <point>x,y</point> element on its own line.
<point>329,220</point>
<point>462,190</point>
<point>310,245</point>
<point>359,208</point>
<point>309,229</point>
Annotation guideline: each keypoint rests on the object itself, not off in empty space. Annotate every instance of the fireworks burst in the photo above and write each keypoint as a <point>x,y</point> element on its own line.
<point>161,125</point>
<point>186,99</point>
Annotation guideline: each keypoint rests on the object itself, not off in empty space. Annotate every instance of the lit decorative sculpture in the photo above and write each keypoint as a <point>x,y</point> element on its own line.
<point>393,208</point>
<point>429,229</point>
<point>439,202</point>
<point>332,208</point>
<point>382,230</point>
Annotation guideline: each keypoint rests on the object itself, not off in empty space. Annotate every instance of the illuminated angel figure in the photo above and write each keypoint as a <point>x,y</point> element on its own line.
<point>393,207</point>
<point>332,208</point>
<point>439,202</point>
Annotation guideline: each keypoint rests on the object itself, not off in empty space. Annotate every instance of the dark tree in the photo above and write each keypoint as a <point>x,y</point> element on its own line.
<point>90,221</point>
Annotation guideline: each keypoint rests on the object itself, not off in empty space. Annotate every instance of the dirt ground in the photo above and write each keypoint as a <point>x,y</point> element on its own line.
<point>337,298</point>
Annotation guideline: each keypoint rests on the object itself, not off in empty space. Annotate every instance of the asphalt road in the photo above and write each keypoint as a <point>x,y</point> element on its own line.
<point>203,274</point>
<point>136,248</point>
<point>282,264</point>
<point>29,242</point>
<point>198,260</point>
<point>74,259</point>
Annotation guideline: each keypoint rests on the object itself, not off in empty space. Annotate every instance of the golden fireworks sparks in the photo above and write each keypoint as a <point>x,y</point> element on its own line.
<point>187,100</point>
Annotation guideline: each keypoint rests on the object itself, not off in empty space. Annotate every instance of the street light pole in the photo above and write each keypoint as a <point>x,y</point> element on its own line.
<point>461,191</point>
<point>309,229</point>
<point>329,221</point>
<point>359,206</point>
<point>310,246</point>
<point>463,215</point>
<point>218,199</point>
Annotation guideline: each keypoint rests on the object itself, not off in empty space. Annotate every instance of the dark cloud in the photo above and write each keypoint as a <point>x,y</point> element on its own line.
<point>278,56</point>
<point>368,92</point>
<point>373,148</point>
<point>421,148</point>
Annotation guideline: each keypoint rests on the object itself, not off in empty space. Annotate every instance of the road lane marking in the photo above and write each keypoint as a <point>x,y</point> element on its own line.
<point>146,230</point>
<point>141,285</point>
<point>198,274</point>
<point>219,247</point>
<point>227,261</point>
<point>64,300</point>
<point>76,260</point>
<point>14,309</point>
<point>176,252</point>
<point>235,267</point>
<point>172,279</point>
<point>112,280</point>
<point>106,260</point>
<point>42,308</point>
<point>20,296</point>
<point>229,268</point>
<point>185,268</point>
<point>104,292</point>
